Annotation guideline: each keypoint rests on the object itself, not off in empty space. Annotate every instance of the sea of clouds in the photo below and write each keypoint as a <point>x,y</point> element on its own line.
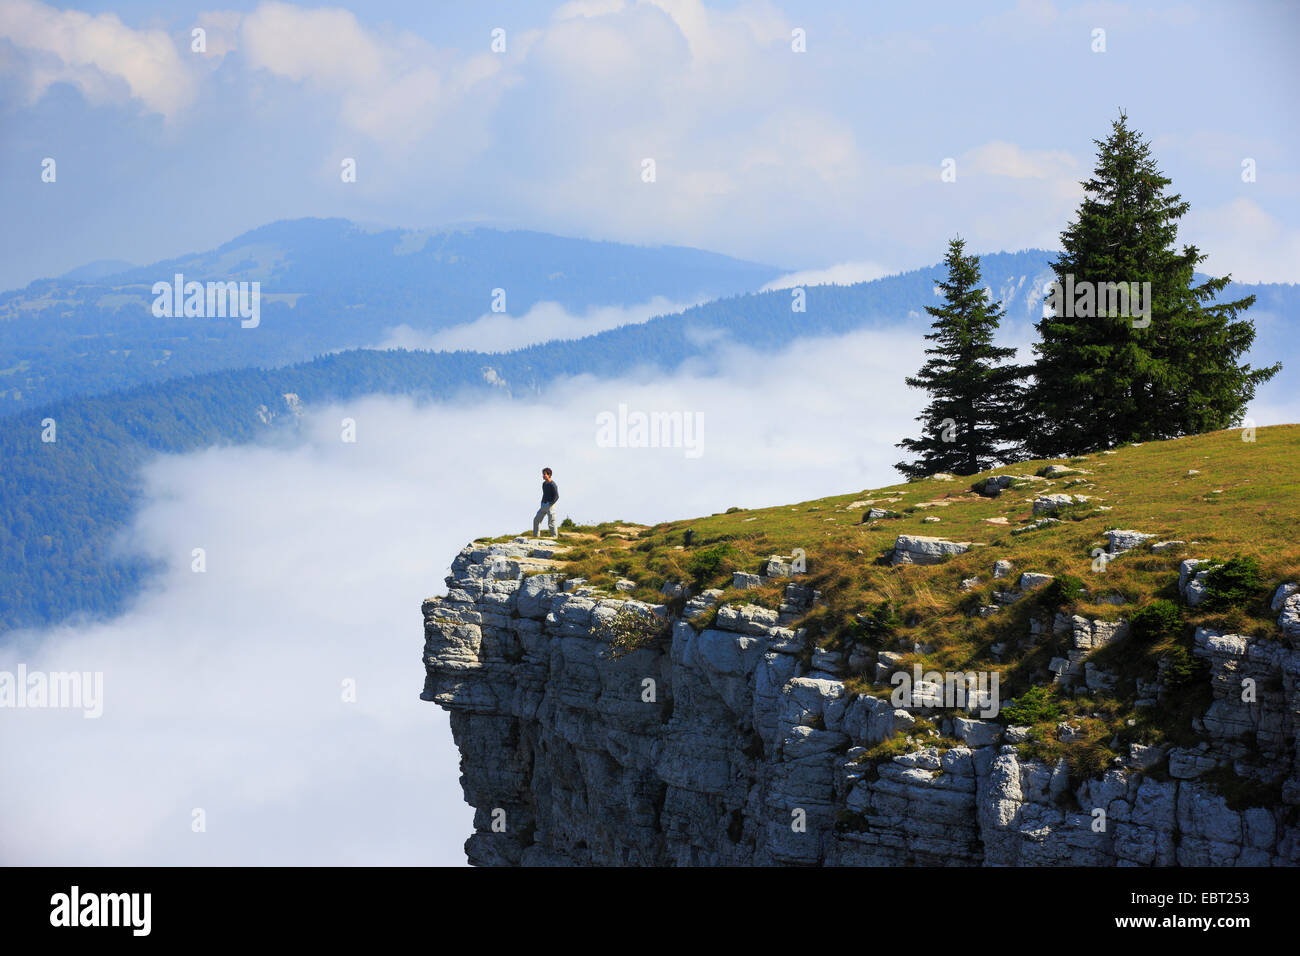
<point>543,322</point>
<point>223,690</point>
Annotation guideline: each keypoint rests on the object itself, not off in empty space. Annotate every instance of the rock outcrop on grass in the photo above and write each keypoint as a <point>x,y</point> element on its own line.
<point>1119,541</point>
<point>919,549</point>
<point>1286,601</point>
<point>1191,581</point>
<point>994,485</point>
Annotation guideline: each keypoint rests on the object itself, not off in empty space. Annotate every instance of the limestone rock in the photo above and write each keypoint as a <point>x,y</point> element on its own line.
<point>1280,596</point>
<point>887,662</point>
<point>1032,579</point>
<point>780,566</point>
<point>1187,764</point>
<point>695,746</point>
<point>701,602</point>
<point>1050,504</point>
<point>1144,758</point>
<point>1286,600</point>
<point>1067,732</point>
<point>994,485</point>
<point>917,549</point>
<point>976,733</point>
<point>1121,541</point>
<point>1059,471</point>
<point>1191,581</point>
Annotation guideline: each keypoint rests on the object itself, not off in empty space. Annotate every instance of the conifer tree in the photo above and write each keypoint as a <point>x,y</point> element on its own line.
<point>1158,366</point>
<point>971,418</point>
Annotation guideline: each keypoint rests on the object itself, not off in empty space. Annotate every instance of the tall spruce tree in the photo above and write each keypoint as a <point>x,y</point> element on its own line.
<point>1168,367</point>
<point>971,419</point>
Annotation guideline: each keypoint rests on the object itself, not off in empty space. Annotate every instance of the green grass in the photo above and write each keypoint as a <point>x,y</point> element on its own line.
<point>1248,525</point>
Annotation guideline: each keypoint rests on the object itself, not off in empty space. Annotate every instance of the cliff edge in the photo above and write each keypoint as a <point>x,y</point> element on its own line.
<point>704,728</point>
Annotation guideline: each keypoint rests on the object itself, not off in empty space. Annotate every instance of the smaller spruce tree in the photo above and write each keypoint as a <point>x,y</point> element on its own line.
<point>972,421</point>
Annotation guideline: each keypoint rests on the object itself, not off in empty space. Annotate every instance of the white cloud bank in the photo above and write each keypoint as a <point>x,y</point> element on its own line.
<point>845,273</point>
<point>222,690</point>
<point>544,322</point>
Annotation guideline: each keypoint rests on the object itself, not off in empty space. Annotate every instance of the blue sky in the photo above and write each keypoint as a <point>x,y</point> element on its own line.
<point>804,160</point>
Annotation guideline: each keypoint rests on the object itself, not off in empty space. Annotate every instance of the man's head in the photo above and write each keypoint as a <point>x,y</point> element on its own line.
<point>546,473</point>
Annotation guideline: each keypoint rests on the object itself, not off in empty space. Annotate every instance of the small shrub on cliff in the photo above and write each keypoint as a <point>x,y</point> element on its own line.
<point>1158,621</point>
<point>1032,707</point>
<point>875,622</point>
<point>847,821</point>
<point>708,564</point>
<point>1233,583</point>
<point>1061,591</point>
<point>1179,667</point>
<point>1242,793</point>
<point>630,630</point>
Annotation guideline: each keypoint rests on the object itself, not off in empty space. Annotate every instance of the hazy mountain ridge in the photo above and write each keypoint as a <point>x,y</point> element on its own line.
<point>326,285</point>
<point>331,285</point>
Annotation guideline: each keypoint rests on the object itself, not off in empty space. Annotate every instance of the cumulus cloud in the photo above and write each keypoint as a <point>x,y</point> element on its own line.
<point>545,321</point>
<point>221,32</point>
<point>1000,158</point>
<point>587,8</point>
<point>1245,240</point>
<point>326,45</point>
<point>223,690</point>
<point>392,86</point>
<point>103,58</point>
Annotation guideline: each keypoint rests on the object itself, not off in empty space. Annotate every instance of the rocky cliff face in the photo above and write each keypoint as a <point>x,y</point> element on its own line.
<point>736,743</point>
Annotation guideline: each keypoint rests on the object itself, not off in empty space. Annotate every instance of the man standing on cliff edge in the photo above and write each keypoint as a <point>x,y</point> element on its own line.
<point>550,495</point>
